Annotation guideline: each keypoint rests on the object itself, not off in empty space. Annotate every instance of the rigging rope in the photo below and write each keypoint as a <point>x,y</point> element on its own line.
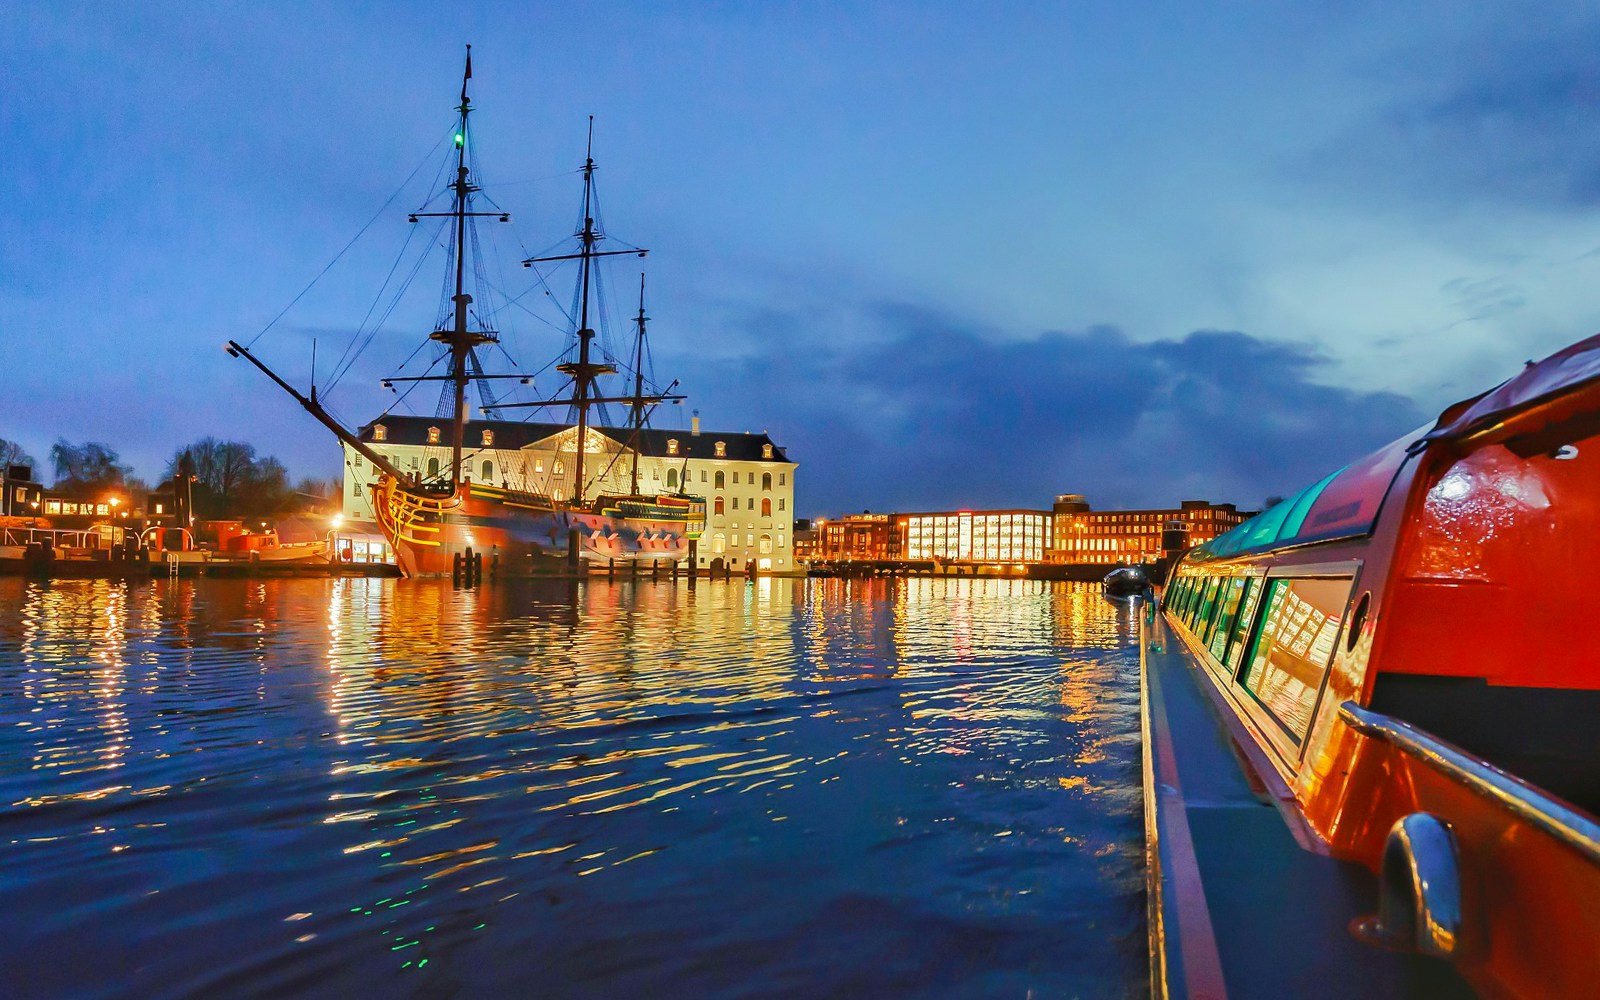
<point>383,208</point>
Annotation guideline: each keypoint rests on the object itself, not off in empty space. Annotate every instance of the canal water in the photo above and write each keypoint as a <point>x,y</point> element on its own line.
<point>352,788</point>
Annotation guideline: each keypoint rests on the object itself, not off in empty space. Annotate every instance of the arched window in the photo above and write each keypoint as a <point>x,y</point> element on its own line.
<point>716,507</point>
<point>433,435</point>
<point>766,480</point>
<point>672,479</point>
<point>766,507</point>
<point>721,449</point>
<point>433,468</point>
<point>488,469</point>
<point>721,481</point>
<point>380,432</point>
<point>766,545</point>
<point>559,469</point>
<point>766,451</point>
<point>719,543</point>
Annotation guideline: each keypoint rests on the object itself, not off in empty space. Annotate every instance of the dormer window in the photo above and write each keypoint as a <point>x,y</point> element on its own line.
<point>488,438</point>
<point>380,432</point>
<point>433,435</point>
<point>766,451</point>
<point>672,446</point>
<point>721,449</point>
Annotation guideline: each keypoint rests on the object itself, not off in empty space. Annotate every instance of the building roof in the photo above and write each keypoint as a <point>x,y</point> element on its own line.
<point>511,434</point>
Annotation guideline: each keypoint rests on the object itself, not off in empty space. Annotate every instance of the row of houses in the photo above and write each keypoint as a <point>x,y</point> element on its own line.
<point>1071,532</point>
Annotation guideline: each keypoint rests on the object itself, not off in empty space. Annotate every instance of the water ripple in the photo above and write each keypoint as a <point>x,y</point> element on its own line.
<point>789,788</point>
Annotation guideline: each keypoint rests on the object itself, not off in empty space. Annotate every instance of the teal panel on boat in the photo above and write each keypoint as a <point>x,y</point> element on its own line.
<point>1302,505</point>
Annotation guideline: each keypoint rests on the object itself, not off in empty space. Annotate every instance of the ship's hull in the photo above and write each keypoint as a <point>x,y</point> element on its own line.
<point>517,534</point>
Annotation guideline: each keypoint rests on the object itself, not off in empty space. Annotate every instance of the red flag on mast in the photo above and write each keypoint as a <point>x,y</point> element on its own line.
<point>466,76</point>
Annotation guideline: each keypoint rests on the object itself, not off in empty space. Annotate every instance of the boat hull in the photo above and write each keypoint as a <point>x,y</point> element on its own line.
<point>515,533</point>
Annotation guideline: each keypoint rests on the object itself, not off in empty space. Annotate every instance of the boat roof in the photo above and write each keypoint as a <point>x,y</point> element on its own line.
<point>1345,504</point>
<point>509,434</point>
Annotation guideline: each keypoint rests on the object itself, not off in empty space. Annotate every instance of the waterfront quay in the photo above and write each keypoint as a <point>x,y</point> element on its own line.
<point>401,788</point>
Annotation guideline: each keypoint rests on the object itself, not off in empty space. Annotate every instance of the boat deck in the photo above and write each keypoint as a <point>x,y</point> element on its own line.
<point>1238,908</point>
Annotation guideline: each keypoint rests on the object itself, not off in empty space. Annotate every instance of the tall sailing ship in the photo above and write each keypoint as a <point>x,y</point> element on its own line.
<point>433,520</point>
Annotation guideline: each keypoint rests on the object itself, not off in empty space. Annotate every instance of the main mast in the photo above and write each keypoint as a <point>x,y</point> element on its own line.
<point>638,388</point>
<point>584,374</point>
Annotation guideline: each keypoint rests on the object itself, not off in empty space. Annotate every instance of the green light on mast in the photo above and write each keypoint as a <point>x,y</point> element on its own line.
<point>460,138</point>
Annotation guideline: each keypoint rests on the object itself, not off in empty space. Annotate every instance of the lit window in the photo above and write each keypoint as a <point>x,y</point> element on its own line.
<point>433,435</point>
<point>721,449</point>
<point>766,507</point>
<point>488,438</point>
<point>766,451</point>
<point>559,468</point>
<point>672,446</point>
<point>766,545</point>
<point>719,542</point>
<point>380,432</point>
<point>538,465</point>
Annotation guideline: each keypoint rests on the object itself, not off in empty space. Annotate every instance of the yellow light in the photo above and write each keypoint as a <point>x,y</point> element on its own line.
<point>114,501</point>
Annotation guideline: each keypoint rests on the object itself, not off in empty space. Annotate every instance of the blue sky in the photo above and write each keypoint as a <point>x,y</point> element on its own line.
<point>949,255</point>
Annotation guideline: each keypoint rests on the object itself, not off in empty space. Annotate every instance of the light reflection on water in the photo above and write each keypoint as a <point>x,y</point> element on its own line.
<point>367,787</point>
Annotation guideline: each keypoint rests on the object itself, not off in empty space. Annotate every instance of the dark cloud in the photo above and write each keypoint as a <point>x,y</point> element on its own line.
<point>1509,116</point>
<point>931,414</point>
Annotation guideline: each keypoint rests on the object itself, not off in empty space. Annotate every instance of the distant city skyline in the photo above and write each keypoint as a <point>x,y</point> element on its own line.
<point>945,256</point>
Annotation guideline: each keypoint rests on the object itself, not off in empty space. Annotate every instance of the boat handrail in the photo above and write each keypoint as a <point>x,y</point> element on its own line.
<point>1525,801</point>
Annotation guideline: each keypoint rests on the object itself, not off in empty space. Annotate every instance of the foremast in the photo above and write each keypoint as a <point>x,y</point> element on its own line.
<point>457,337</point>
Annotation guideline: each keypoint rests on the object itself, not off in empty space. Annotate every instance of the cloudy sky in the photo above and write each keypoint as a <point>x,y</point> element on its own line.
<point>947,254</point>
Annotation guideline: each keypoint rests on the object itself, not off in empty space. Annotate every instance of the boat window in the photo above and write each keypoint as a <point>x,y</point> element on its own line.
<point>1227,615</point>
<point>1201,612</point>
<point>1242,622</point>
<point>1294,648</point>
<point>721,481</point>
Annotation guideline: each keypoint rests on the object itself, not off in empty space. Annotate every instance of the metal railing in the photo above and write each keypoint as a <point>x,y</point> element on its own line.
<point>1521,799</point>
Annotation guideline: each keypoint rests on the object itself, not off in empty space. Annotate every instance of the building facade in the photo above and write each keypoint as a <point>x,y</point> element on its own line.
<point>748,481</point>
<point>1084,535</point>
<point>858,537</point>
<point>985,536</point>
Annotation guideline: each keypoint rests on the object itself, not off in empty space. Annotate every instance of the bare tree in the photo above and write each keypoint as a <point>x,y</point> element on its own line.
<point>87,467</point>
<point>12,453</point>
